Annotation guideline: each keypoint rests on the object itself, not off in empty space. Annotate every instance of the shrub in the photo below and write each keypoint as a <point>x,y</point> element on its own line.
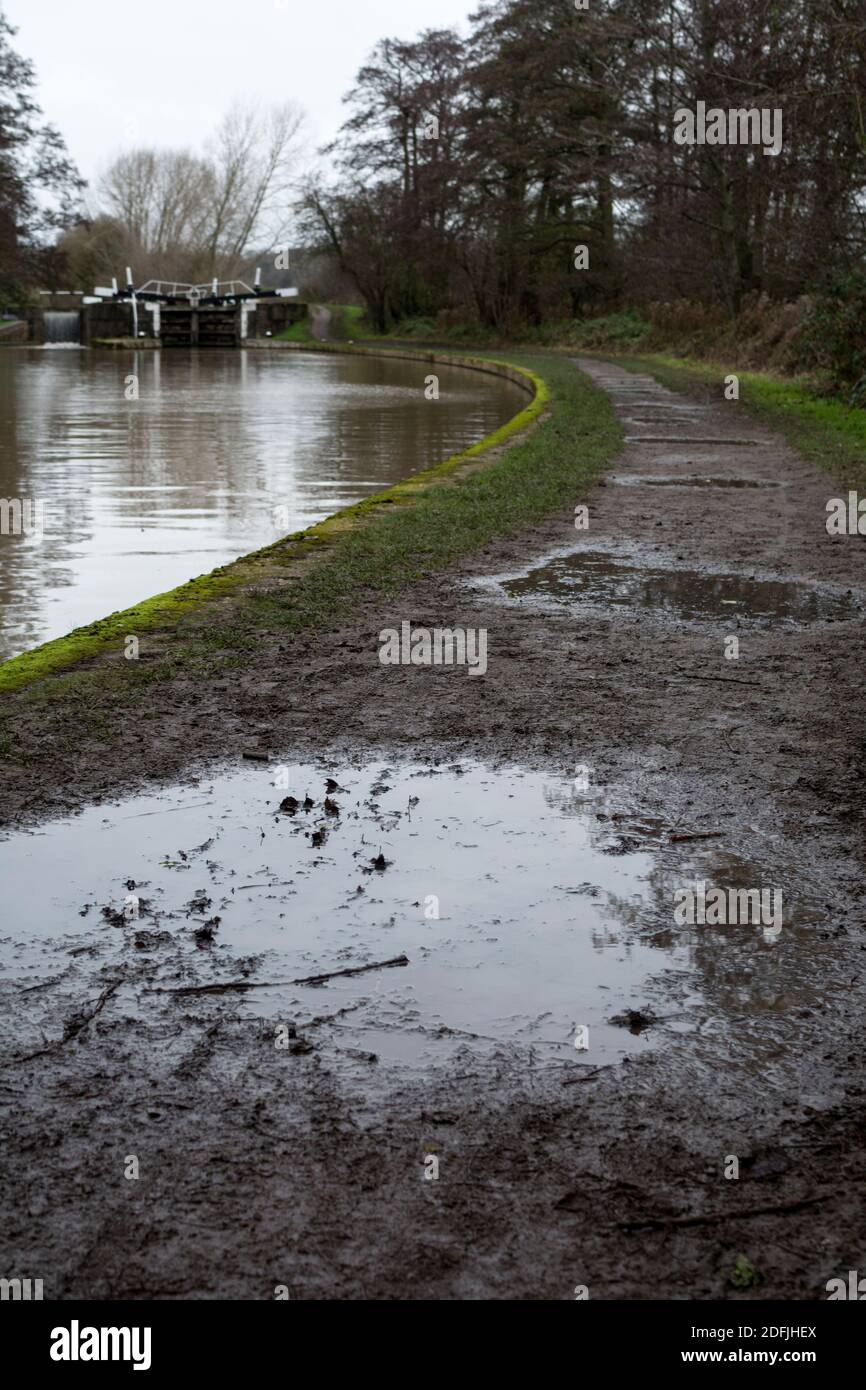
<point>835,332</point>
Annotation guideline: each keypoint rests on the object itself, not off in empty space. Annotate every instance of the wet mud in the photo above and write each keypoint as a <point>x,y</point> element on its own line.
<point>286,1035</point>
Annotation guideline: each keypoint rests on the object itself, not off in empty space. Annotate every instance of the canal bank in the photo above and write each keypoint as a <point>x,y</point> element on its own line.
<point>611,754</point>
<point>280,560</point>
<point>142,471</point>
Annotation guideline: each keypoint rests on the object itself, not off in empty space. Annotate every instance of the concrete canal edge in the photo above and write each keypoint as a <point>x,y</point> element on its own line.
<point>164,611</point>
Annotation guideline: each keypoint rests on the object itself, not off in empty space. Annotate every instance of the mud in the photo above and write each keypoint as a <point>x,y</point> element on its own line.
<point>305,1165</point>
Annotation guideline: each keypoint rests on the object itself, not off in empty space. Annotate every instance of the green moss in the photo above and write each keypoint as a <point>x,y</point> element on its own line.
<point>744,1275</point>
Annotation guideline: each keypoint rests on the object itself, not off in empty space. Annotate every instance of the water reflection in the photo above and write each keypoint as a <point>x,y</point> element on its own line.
<point>524,909</point>
<point>598,578</point>
<point>154,467</point>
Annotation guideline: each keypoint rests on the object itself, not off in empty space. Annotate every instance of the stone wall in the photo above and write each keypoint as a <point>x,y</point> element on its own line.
<point>14,332</point>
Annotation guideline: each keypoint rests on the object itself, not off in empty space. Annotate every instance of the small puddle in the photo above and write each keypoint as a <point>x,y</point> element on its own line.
<point>600,579</point>
<point>715,440</point>
<point>648,480</point>
<point>667,417</point>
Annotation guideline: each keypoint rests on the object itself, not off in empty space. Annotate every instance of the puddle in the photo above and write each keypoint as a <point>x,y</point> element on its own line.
<point>535,901</point>
<point>692,439</point>
<point>604,580</point>
<point>514,907</point>
<point>648,480</point>
<point>667,417</point>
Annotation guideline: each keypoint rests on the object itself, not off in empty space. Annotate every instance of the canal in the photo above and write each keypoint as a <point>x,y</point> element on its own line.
<point>145,469</point>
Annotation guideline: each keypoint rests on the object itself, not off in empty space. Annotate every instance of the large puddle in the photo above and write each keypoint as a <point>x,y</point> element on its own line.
<point>599,579</point>
<point>498,887</point>
<point>396,914</point>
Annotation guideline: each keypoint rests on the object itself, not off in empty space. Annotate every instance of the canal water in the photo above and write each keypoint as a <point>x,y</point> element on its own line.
<point>139,470</point>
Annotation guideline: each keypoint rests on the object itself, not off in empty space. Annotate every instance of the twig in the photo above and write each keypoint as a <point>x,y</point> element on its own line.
<point>697,834</point>
<point>218,989</point>
<point>352,970</point>
<point>281,883</point>
<point>273,984</point>
<point>746,1214</point>
<point>72,1028</point>
<point>726,680</point>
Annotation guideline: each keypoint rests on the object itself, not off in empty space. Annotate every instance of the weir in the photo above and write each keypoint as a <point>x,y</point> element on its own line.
<point>61,326</point>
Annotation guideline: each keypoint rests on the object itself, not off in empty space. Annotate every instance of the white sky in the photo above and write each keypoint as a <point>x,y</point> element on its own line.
<point>117,73</point>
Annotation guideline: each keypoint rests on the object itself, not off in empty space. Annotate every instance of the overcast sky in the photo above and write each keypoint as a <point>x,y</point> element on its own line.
<point>117,73</point>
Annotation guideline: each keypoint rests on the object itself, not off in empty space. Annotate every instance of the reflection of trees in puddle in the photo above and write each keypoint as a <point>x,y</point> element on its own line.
<point>742,968</point>
<point>614,833</point>
<point>737,969</point>
<point>595,577</point>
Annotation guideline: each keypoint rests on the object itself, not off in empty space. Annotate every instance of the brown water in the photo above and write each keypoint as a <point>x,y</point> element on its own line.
<point>221,453</point>
<point>600,579</point>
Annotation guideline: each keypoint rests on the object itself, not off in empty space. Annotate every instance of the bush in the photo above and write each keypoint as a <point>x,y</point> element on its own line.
<point>835,333</point>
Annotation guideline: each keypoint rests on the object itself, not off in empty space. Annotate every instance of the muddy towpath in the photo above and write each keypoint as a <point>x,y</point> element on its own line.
<point>423,997</point>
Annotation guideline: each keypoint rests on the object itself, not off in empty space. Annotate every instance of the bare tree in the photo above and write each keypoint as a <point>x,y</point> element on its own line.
<point>196,216</point>
<point>255,156</point>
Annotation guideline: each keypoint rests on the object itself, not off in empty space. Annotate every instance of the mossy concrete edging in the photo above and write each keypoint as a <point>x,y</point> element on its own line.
<point>165,610</point>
